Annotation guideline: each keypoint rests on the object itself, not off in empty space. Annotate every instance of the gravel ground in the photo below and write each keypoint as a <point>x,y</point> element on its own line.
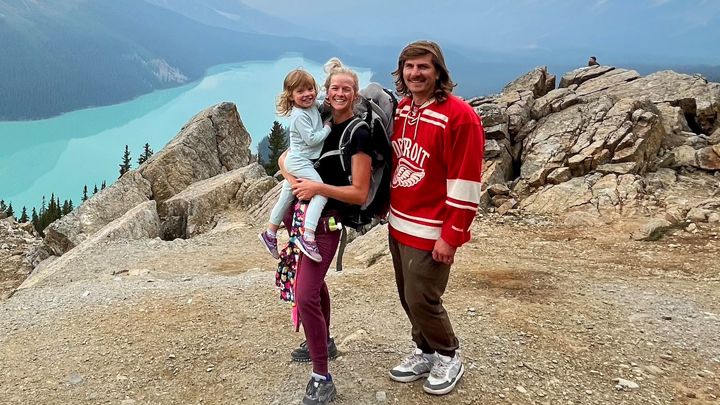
<point>546,314</point>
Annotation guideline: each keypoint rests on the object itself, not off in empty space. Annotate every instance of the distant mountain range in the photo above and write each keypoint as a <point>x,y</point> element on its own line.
<point>64,55</point>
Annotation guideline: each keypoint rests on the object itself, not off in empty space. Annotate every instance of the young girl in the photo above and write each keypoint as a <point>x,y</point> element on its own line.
<point>307,133</point>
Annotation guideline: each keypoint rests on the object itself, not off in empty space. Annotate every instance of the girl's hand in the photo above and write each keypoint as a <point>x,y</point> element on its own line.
<point>305,189</point>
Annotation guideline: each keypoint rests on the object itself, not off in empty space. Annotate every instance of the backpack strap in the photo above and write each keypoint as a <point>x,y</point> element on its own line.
<point>341,249</point>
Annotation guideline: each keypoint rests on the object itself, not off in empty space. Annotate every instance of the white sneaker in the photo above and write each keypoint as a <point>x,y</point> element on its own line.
<point>414,367</point>
<point>445,373</point>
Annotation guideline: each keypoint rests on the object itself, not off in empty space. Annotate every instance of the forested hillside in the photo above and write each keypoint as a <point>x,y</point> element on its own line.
<point>65,55</point>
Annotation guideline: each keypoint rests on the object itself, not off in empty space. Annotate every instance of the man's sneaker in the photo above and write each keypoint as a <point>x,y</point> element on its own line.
<point>270,243</point>
<point>445,373</point>
<point>319,392</point>
<point>310,249</point>
<point>302,353</point>
<point>414,367</point>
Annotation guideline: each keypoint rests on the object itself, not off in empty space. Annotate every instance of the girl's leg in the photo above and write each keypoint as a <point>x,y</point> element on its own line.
<point>269,237</point>
<point>281,206</point>
<point>303,168</point>
<point>314,210</point>
<point>313,300</point>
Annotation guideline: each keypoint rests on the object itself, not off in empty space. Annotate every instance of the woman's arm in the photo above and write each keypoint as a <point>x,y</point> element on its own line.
<point>281,163</point>
<point>356,193</point>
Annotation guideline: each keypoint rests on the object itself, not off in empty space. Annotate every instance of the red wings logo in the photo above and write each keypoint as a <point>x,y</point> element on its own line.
<point>407,174</point>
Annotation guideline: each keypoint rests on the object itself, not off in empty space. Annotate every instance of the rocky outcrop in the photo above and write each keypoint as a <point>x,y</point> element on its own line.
<point>140,222</point>
<point>213,142</point>
<point>193,210</point>
<point>577,77</point>
<point>101,209</point>
<point>698,99</point>
<point>599,86</point>
<point>587,146</point>
<point>21,249</point>
<point>538,81</point>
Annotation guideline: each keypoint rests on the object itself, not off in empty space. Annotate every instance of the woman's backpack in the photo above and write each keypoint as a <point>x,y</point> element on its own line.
<point>374,111</point>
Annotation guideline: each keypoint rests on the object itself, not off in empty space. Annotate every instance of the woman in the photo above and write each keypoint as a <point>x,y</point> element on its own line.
<point>311,293</point>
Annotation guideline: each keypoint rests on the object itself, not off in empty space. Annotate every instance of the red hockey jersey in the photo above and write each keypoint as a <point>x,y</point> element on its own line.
<point>437,172</point>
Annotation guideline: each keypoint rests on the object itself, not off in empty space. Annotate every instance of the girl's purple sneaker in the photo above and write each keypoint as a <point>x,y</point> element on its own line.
<point>310,249</point>
<point>270,243</point>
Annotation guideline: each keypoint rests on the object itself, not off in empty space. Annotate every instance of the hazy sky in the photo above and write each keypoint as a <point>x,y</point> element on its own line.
<point>673,30</point>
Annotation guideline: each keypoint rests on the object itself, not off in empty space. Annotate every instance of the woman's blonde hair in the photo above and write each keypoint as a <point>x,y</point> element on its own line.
<point>298,78</point>
<point>335,67</point>
<point>443,86</point>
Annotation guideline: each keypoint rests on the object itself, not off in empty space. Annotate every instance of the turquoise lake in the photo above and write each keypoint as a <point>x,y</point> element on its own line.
<point>61,155</point>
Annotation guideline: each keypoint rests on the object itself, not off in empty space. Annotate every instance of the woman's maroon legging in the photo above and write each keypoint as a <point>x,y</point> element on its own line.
<point>313,300</point>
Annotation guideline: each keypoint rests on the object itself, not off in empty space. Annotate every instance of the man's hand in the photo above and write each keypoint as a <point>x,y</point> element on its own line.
<point>305,189</point>
<point>443,252</point>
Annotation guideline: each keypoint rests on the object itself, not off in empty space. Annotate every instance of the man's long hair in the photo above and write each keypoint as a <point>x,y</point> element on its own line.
<point>443,86</point>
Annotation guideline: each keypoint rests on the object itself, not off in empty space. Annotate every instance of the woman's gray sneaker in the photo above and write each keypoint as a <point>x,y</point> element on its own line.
<point>445,373</point>
<point>302,353</point>
<point>414,367</point>
<point>319,392</point>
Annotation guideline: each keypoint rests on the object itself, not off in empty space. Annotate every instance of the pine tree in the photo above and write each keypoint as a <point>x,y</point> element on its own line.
<point>3,207</point>
<point>84,196</point>
<point>34,219</point>
<point>278,141</point>
<point>23,215</point>
<point>147,153</point>
<point>43,208</point>
<point>51,210</point>
<point>260,160</point>
<point>95,190</point>
<point>126,164</point>
<point>102,186</point>
<point>70,206</point>
<point>58,209</point>
<point>10,213</point>
<point>66,208</point>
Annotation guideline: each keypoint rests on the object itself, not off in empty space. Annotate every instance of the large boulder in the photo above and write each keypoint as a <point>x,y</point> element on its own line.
<point>101,209</point>
<point>708,158</point>
<point>582,138</point>
<point>537,81</point>
<point>610,196</point>
<point>214,141</point>
<point>554,101</point>
<point>140,222</point>
<point>697,98</point>
<point>600,85</point>
<point>193,210</point>
<point>580,76</point>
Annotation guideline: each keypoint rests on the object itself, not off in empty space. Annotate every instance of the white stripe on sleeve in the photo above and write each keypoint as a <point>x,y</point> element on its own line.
<point>464,190</point>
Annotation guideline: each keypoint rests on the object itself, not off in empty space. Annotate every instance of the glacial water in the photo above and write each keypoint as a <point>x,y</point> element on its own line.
<point>61,155</point>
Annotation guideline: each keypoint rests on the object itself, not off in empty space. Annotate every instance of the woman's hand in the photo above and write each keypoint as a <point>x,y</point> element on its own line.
<point>305,189</point>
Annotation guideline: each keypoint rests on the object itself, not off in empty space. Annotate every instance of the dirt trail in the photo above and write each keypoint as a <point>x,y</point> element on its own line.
<point>545,314</point>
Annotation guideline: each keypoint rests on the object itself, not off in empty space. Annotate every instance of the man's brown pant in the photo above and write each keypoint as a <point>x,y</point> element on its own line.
<point>421,282</point>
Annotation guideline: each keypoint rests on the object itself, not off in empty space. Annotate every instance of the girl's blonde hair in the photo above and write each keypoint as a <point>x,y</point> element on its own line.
<point>335,67</point>
<point>298,78</point>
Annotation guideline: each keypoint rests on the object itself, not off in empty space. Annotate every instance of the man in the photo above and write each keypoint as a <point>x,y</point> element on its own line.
<point>438,143</point>
<point>593,62</point>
